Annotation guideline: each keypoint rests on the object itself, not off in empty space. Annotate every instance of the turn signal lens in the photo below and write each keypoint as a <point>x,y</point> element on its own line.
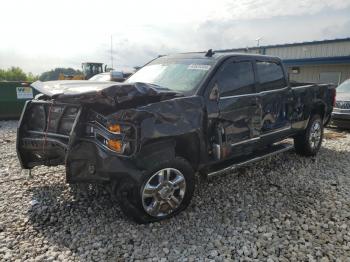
<point>115,145</point>
<point>114,128</point>
<point>334,96</point>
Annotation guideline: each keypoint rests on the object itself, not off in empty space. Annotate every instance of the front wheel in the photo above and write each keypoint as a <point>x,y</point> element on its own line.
<point>309,142</point>
<point>164,191</point>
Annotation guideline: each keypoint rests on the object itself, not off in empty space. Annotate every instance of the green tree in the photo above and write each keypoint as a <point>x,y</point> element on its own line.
<point>31,77</point>
<point>2,74</point>
<point>13,74</point>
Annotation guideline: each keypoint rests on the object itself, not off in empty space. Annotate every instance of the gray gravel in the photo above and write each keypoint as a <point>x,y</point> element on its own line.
<point>285,208</point>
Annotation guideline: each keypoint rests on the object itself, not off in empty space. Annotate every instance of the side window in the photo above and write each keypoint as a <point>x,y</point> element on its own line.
<point>270,75</point>
<point>236,78</point>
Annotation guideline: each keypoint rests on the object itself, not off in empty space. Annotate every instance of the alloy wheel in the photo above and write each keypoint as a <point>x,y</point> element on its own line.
<point>163,192</point>
<point>315,134</point>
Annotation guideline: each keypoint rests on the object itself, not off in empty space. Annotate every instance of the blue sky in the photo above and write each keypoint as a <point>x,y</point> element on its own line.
<point>39,35</point>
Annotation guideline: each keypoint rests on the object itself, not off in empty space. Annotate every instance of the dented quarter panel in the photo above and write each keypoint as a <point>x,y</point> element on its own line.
<point>308,98</point>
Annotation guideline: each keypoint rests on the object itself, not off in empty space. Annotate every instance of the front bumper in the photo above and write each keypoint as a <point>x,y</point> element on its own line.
<point>88,162</point>
<point>85,157</point>
<point>341,118</point>
<point>40,140</point>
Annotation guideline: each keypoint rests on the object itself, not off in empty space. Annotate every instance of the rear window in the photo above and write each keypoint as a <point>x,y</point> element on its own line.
<point>270,75</point>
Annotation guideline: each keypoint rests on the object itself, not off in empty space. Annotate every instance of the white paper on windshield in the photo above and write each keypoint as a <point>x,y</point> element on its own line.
<point>198,67</point>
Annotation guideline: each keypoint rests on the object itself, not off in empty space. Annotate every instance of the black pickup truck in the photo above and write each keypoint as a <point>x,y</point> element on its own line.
<point>179,115</point>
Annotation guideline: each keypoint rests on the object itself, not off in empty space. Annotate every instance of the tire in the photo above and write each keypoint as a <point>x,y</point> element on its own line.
<point>309,142</point>
<point>155,197</point>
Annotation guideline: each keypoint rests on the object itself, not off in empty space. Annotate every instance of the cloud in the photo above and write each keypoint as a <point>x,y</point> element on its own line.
<point>45,34</point>
<point>288,29</point>
<point>258,9</point>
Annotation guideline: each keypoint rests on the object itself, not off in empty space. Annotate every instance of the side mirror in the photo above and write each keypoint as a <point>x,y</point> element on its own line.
<point>215,94</point>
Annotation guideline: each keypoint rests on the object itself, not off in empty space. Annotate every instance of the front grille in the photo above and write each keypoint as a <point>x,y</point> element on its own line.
<point>51,118</point>
<point>342,104</point>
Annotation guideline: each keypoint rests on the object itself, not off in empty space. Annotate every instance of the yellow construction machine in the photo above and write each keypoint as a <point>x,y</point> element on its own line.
<point>89,70</point>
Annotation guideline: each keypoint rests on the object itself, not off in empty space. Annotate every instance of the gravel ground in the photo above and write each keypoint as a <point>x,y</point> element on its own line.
<point>285,208</point>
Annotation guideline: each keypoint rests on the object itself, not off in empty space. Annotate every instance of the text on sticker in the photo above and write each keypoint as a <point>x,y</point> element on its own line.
<point>198,67</point>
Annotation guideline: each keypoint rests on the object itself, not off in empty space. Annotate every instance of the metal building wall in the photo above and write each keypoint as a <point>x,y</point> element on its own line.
<point>312,73</point>
<point>310,50</point>
<point>300,51</point>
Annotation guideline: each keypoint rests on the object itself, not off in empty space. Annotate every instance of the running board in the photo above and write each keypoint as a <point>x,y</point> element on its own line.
<point>271,151</point>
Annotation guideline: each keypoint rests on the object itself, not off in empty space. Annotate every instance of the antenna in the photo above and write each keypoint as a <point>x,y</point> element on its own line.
<point>258,40</point>
<point>210,53</point>
<point>112,51</point>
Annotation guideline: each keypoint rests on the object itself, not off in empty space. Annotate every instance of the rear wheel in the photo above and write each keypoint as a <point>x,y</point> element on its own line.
<point>309,142</point>
<point>164,191</point>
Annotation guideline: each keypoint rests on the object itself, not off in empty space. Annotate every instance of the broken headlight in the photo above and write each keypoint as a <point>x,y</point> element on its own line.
<point>126,130</point>
<point>122,146</point>
<point>120,137</point>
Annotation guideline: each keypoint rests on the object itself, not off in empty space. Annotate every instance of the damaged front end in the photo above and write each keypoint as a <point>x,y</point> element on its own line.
<point>54,133</point>
<point>67,126</point>
<point>45,131</point>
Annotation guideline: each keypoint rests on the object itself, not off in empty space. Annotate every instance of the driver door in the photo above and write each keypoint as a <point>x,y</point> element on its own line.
<point>238,121</point>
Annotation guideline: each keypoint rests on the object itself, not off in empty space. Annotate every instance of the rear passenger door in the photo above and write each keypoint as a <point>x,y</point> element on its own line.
<point>239,113</point>
<point>274,95</point>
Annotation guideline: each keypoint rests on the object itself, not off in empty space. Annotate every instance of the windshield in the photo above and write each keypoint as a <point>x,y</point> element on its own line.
<point>175,74</point>
<point>344,87</point>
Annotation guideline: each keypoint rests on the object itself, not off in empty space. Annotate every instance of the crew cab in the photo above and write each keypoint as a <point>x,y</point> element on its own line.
<point>179,115</point>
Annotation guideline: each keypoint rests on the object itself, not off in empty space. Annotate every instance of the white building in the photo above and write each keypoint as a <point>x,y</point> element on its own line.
<point>317,61</point>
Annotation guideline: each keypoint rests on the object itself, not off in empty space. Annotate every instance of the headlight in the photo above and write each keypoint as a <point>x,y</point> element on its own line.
<point>115,128</point>
<point>124,129</point>
<point>115,145</point>
<point>120,138</point>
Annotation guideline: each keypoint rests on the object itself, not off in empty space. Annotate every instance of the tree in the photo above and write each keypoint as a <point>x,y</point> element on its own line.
<point>31,77</point>
<point>2,74</point>
<point>13,74</point>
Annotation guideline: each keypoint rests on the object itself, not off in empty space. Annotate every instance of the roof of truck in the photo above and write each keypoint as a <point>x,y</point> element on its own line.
<point>216,55</point>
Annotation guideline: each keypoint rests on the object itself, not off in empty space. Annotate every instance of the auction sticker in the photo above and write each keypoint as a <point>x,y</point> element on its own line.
<point>24,92</point>
<point>199,67</point>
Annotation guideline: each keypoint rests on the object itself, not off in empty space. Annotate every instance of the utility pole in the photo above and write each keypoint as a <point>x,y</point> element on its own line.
<point>112,51</point>
<point>258,41</point>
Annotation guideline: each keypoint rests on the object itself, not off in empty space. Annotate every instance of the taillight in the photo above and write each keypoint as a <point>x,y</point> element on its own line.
<point>334,96</point>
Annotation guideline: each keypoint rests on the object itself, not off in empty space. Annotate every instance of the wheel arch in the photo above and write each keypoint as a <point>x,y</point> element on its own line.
<point>318,108</point>
<point>186,146</point>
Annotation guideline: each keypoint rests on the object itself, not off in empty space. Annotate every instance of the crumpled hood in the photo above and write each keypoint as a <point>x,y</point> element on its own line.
<point>106,93</point>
